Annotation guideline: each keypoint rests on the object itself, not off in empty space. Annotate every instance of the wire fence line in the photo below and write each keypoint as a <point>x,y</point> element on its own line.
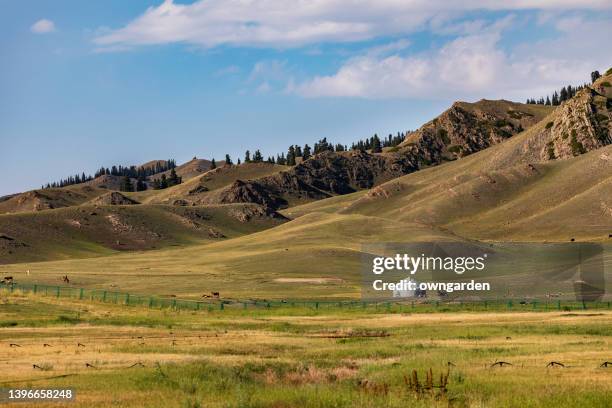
<point>421,305</point>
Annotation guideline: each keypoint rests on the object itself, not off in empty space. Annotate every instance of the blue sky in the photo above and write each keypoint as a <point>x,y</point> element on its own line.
<point>86,84</point>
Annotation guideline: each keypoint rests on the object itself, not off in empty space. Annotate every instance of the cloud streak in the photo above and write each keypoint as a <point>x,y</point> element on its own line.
<point>296,23</point>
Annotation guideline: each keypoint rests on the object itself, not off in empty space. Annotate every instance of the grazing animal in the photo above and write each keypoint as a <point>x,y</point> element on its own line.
<point>36,366</point>
<point>89,365</point>
<point>80,345</point>
<point>7,280</point>
<point>553,364</point>
<point>215,295</point>
<point>66,280</point>
<point>47,345</point>
<point>508,338</point>
<point>14,345</point>
<point>500,363</point>
<point>450,364</point>
<point>606,364</point>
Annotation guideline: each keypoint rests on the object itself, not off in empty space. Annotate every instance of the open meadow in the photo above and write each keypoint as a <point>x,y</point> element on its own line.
<point>118,356</point>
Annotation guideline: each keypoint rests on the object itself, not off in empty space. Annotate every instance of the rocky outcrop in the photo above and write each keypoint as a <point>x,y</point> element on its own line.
<point>582,124</point>
<point>321,176</point>
<point>467,128</point>
<point>113,198</point>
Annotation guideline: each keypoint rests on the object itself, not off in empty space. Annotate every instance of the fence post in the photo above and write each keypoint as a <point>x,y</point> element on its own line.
<point>35,288</point>
<point>150,302</point>
<point>104,296</point>
<point>58,291</point>
<point>558,305</point>
<point>127,298</point>
<point>81,294</point>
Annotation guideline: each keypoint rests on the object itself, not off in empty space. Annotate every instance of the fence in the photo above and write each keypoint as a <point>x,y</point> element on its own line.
<point>401,306</point>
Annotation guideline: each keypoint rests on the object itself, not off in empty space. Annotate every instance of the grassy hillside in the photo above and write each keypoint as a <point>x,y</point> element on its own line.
<point>475,198</point>
<point>321,252</point>
<point>198,187</point>
<point>88,230</point>
<point>51,198</point>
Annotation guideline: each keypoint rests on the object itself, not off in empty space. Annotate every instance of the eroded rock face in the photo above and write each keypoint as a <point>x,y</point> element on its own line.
<point>581,124</point>
<point>249,192</point>
<point>467,128</point>
<point>322,176</point>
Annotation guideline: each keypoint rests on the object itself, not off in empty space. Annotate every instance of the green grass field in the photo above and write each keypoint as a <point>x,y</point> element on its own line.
<point>303,357</point>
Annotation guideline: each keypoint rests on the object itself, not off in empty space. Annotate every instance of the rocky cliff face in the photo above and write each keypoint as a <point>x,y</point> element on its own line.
<point>579,125</point>
<point>322,176</point>
<point>466,128</point>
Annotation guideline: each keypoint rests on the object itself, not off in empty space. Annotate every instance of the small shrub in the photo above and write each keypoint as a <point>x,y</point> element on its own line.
<point>502,123</point>
<point>606,84</point>
<point>551,151</point>
<point>443,134</point>
<point>67,319</point>
<point>577,147</point>
<point>455,148</point>
<point>549,125</point>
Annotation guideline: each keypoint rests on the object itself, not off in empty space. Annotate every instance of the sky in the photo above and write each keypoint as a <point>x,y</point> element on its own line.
<point>98,83</point>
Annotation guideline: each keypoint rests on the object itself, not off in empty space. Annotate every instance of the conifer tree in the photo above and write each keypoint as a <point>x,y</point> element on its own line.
<point>141,185</point>
<point>163,182</point>
<point>306,152</point>
<point>376,146</point>
<point>126,184</point>
<point>291,156</point>
<point>228,160</point>
<point>213,164</point>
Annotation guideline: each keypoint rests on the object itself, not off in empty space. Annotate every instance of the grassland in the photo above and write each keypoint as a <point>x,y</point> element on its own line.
<point>302,357</point>
<point>312,247</point>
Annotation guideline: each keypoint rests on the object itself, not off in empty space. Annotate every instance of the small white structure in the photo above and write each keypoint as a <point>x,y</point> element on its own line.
<point>406,293</point>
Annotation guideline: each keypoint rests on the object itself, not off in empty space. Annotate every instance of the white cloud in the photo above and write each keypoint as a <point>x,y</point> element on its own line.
<point>43,26</point>
<point>293,23</point>
<point>473,65</point>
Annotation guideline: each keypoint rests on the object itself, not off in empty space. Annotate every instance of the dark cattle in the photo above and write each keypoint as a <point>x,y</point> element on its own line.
<point>7,280</point>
